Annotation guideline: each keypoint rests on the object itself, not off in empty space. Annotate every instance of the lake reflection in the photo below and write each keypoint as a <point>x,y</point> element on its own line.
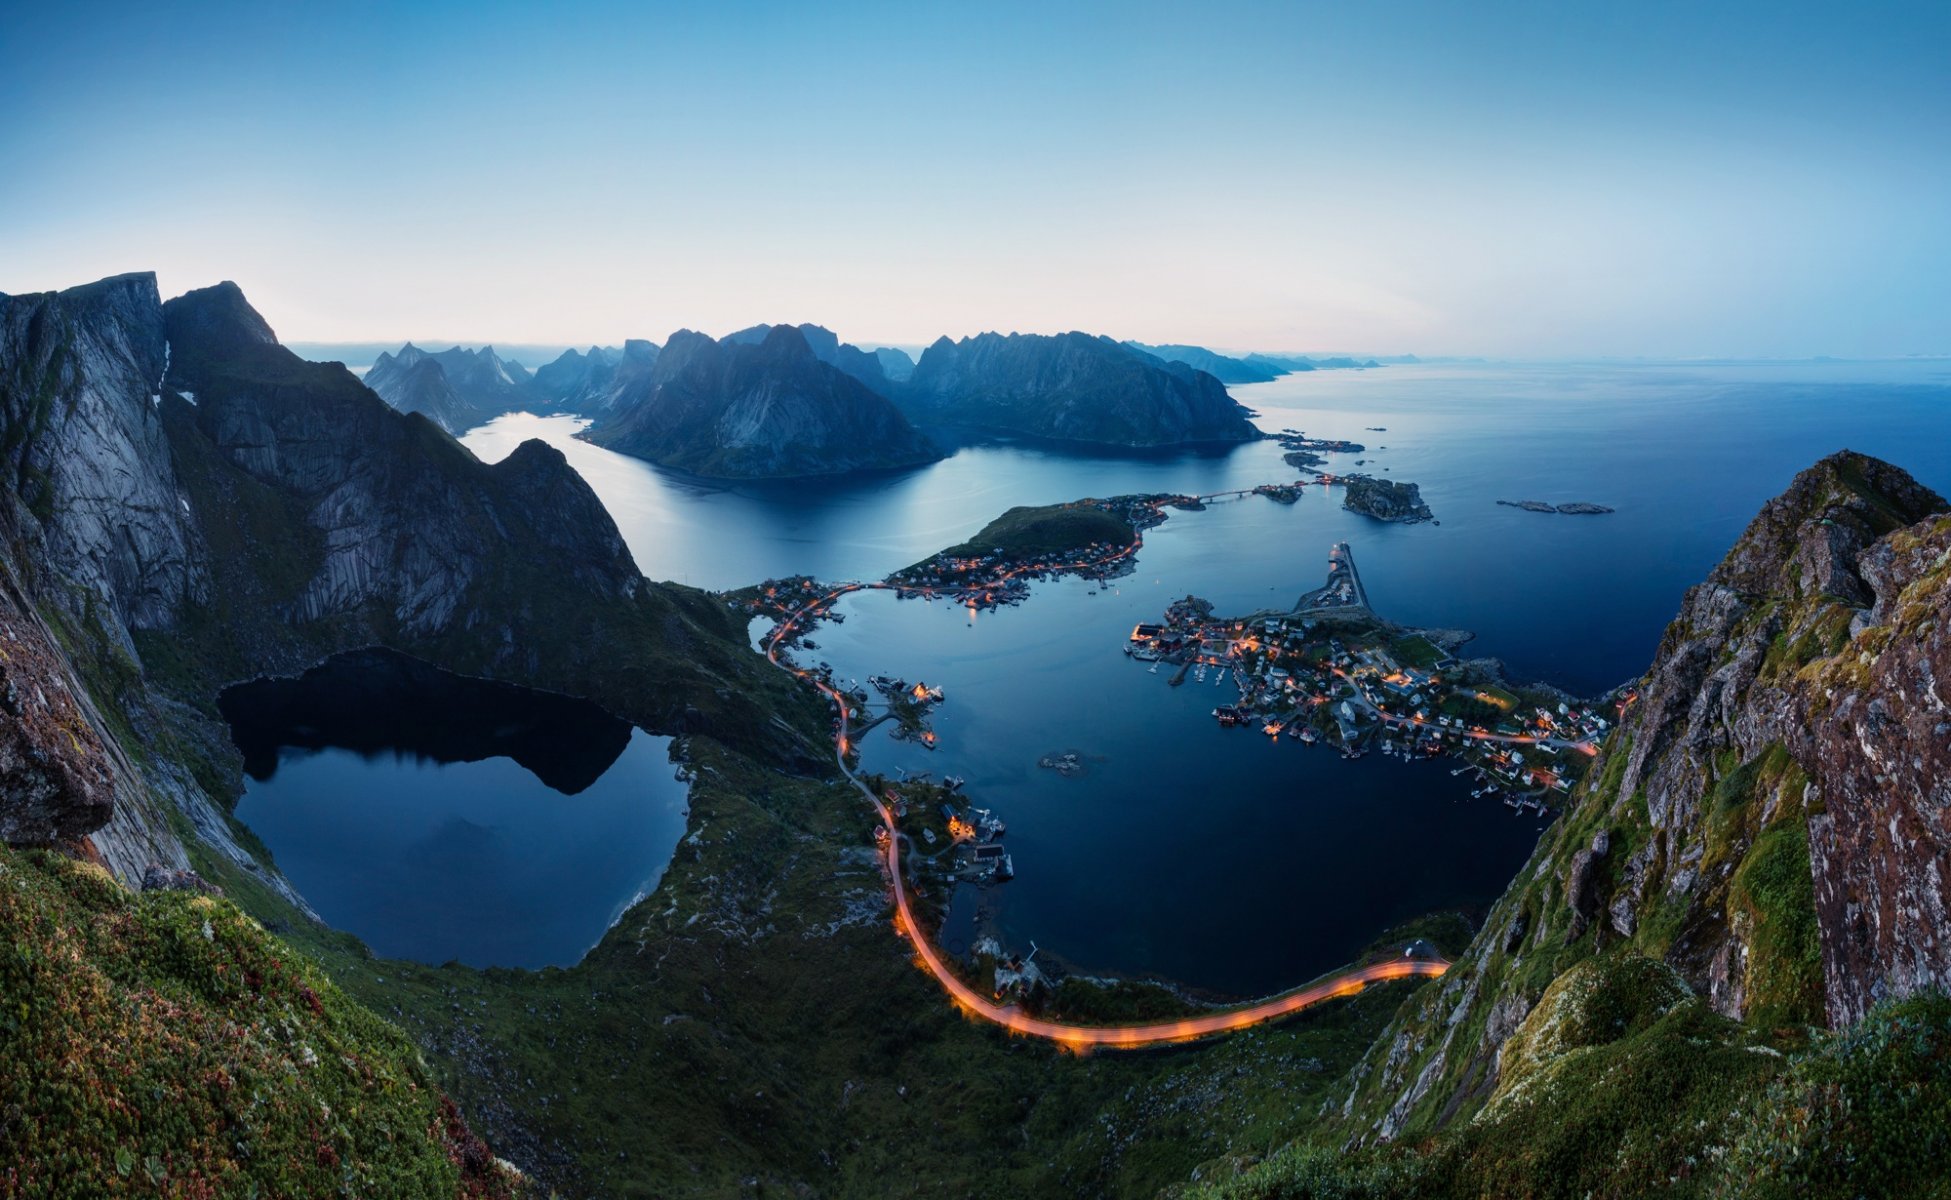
<point>443,818</point>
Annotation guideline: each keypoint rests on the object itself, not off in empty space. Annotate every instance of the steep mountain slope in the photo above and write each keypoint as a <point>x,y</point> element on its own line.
<point>1735,789</point>
<point>1761,851</point>
<point>1071,387</point>
<point>253,513</point>
<point>829,349</point>
<point>166,1045</point>
<point>1219,366</point>
<point>766,409</point>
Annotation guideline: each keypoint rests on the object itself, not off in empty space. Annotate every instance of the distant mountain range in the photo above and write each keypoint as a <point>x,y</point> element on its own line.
<point>774,413</point>
<point>1254,368</point>
<point>457,389</point>
<point>779,401</point>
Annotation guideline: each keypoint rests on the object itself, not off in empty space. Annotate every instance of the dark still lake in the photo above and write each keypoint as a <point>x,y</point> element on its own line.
<point>442,818</point>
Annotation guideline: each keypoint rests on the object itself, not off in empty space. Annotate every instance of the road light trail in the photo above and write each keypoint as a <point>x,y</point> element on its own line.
<point>974,1003</point>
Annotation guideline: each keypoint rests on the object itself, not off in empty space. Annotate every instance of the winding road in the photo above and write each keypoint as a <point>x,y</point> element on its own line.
<point>974,1003</point>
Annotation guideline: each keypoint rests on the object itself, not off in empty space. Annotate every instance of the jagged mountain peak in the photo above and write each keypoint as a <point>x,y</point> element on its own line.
<point>1805,541</point>
<point>758,405</point>
<point>220,316</point>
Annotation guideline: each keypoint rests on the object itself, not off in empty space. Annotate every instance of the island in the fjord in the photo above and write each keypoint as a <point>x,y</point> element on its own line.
<point>1050,529</point>
<point>1384,499</point>
<point>1574,508</point>
<point>759,405</point>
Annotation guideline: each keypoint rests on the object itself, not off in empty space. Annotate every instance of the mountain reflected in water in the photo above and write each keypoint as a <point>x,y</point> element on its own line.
<point>378,702</point>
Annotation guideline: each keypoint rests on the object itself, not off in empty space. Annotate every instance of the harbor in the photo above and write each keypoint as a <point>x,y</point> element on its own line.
<point>1104,812</point>
<point>1330,672</point>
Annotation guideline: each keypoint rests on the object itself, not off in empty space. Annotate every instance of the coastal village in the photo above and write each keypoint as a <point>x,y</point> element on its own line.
<point>1328,672</point>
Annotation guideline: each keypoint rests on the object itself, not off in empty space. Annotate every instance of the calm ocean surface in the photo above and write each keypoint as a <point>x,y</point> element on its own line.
<point>1208,856</point>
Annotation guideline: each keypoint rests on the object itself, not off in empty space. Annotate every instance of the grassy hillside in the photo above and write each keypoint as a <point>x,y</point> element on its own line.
<point>165,1045</point>
<point>1049,529</point>
<point>1626,1085</point>
<point>756,1026</point>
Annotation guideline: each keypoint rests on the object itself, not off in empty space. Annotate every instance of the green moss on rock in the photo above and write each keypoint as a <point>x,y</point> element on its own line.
<point>165,1045</point>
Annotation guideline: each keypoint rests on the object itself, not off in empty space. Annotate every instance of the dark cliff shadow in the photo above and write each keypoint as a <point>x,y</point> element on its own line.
<point>378,702</point>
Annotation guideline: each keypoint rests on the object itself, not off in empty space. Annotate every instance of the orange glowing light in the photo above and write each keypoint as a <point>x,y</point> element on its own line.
<point>1077,1038</point>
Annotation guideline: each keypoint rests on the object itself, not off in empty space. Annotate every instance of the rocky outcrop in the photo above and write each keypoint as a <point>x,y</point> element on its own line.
<point>55,782</point>
<point>1876,725</point>
<point>1384,499</point>
<point>1071,387</point>
<point>397,518</point>
<point>1767,819</point>
<point>765,409</point>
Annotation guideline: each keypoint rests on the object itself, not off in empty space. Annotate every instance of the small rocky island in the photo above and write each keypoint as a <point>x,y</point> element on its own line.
<point>1305,452</point>
<point>1385,499</point>
<point>1576,508</point>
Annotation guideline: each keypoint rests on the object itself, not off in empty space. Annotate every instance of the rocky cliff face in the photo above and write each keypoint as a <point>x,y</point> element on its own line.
<point>1768,818</point>
<point>187,504</point>
<point>1071,387</point>
<point>55,781</point>
<point>829,349</point>
<point>400,520</point>
<point>766,409</point>
<point>86,464</point>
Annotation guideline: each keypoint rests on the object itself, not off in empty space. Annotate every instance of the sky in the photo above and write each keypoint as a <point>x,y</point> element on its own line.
<point>1506,179</point>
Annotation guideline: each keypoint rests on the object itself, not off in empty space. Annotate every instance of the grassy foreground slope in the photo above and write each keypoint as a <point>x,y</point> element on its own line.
<point>165,1045</point>
<point>757,1028</point>
<point>1629,1085</point>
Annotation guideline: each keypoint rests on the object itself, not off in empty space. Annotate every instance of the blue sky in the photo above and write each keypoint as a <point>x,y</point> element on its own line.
<point>1517,179</point>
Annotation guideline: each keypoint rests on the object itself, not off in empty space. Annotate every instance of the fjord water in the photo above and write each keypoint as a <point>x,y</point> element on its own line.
<point>1686,452</point>
<point>440,818</point>
<point>1220,858</point>
<point>1213,857</point>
